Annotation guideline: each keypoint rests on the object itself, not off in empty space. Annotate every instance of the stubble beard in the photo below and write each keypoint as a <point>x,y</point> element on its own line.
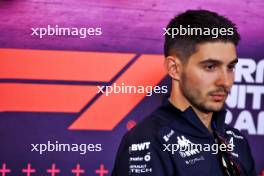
<point>195,98</point>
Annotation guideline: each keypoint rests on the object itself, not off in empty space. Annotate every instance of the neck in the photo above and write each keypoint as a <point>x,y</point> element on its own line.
<point>179,101</point>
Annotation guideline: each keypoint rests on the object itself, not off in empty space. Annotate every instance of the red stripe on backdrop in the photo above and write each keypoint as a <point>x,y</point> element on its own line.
<point>61,65</point>
<point>109,110</point>
<point>44,98</point>
<point>105,113</point>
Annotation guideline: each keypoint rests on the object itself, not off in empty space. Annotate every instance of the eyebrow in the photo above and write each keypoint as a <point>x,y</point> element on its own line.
<point>216,61</point>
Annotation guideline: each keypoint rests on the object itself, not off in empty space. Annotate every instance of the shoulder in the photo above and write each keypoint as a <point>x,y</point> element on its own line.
<point>141,147</point>
<point>152,128</point>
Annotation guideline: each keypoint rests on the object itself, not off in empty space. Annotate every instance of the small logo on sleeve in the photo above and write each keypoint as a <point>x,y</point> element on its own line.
<point>139,146</point>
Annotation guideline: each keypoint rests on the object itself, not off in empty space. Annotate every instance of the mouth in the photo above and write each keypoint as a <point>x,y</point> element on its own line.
<point>218,96</point>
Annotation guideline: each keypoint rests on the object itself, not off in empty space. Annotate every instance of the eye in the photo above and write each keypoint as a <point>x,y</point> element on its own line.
<point>231,67</point>
<point>210,67</point>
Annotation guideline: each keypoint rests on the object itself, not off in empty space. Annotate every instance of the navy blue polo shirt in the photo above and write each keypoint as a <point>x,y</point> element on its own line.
<point>152,146</point>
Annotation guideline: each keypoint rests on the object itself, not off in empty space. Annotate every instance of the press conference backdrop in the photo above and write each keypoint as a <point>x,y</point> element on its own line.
<point>51,84</point>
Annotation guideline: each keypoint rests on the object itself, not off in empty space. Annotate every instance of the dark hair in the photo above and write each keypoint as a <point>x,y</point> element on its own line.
<point>183,46</point>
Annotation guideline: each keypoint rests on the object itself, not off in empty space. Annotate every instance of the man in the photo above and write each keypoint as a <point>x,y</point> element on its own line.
<point>187,135</point>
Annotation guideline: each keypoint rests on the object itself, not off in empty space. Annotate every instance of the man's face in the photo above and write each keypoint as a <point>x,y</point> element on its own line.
<point>208,75</point>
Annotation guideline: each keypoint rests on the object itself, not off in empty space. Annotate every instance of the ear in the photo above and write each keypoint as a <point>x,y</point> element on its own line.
<point>173,66</point>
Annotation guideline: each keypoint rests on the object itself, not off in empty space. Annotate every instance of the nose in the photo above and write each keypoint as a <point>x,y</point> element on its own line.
<point>225,79</point>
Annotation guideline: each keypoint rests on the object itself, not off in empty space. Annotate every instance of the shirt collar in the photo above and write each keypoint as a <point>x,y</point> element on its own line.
<point>189,114</point>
